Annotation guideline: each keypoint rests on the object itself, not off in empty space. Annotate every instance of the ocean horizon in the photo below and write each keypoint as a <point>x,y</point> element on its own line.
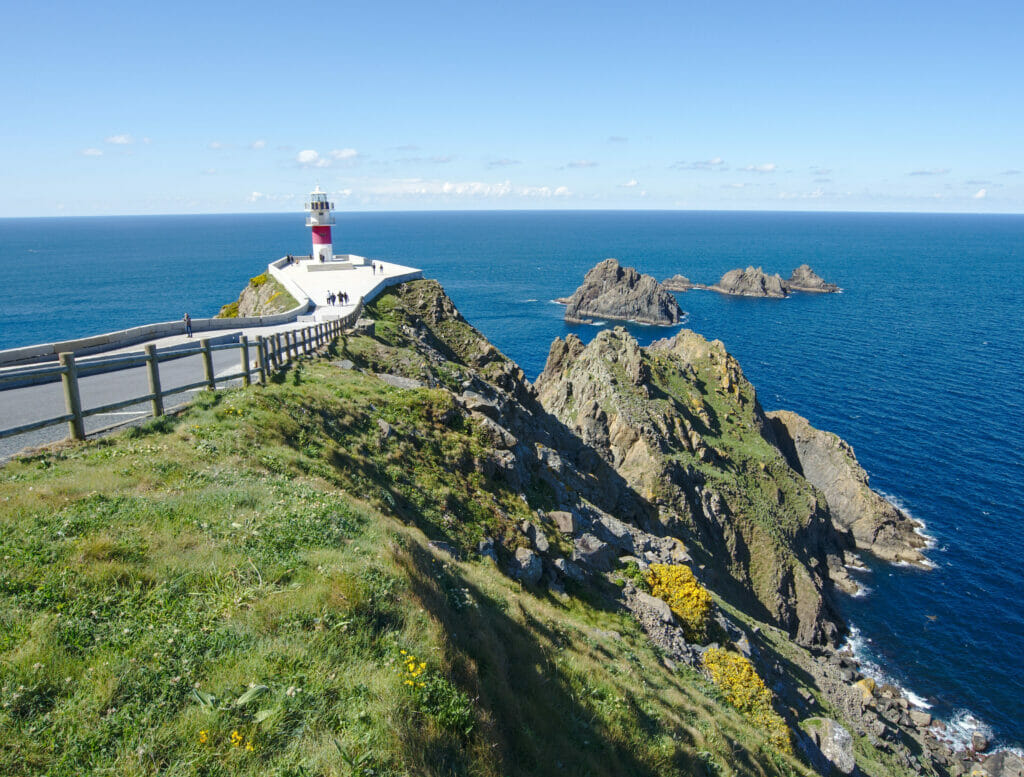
<point>916,364</point>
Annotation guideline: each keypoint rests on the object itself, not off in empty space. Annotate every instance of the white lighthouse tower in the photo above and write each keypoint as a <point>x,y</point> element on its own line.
<point>320,220</point>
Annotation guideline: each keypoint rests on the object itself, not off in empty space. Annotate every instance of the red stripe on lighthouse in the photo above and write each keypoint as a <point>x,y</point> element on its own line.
<point>321,236</point>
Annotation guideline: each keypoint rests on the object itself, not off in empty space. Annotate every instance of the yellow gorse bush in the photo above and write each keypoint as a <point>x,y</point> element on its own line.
<point>739,682</point>
<point>689,600</point>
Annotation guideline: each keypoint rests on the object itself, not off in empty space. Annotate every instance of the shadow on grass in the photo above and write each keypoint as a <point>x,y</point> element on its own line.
<point>544,726</point>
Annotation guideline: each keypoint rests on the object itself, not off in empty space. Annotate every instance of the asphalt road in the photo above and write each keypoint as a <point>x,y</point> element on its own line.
<point>34,403</point>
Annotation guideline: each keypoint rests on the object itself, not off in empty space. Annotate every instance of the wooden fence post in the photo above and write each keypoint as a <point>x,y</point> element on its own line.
<point>261,358</point>
<point>153,370</point>
<point>243,346</point>
<point>72,399</point>
<point>211,382</point>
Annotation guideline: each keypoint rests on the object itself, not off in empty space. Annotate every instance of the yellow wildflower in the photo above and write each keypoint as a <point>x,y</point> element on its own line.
<point>204,737</point>
<point>236,738</point>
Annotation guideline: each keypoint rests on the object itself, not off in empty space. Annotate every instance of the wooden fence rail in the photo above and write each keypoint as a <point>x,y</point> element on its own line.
<point>272,353</point>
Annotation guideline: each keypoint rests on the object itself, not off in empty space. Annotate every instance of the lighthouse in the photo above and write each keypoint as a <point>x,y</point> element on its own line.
<point>320,221</point>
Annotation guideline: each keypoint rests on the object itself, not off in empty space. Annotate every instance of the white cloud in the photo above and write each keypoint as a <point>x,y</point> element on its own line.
<point>933,171</point>
<point>264,197</point>
<point>1010,172</point>
<point>768,167</point>
<point>427,188</point>
<point>617,139</point>
<point>120,140</point>
<point>503,162</point>
<point>258,144</point>
<point>632,182</point>
<point>92,152</point>
<point>216,145</point>
<point>980,194</point>
<point>311,158</point>
<point>580,163</point>
<point>715,163</point>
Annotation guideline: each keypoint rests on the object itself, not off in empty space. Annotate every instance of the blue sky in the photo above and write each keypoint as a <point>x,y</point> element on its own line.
<point>121,108</point>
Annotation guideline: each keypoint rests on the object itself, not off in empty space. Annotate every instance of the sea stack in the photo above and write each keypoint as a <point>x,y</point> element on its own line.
<point>679,283</point>
<point>752,282</point>
<point>612,291</point>
<point>805,279</point>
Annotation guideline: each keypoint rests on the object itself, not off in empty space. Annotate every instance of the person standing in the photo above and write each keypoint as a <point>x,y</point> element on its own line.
<point>188,324</point>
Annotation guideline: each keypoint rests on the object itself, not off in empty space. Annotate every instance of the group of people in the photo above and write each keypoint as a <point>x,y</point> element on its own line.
<point>341,298</point>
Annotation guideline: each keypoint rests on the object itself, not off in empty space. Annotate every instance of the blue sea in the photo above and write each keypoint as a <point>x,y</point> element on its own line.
<point>917,364</point>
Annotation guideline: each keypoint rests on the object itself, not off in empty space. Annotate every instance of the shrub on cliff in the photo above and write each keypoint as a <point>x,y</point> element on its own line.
<point>689,600</point>
<point>741,686</point>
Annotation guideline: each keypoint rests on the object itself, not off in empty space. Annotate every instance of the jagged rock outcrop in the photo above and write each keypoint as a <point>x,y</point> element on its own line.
<point>626,455</point>
<point>682,426</point>
<point>679,283</point>
<point>612,291</point>
<point>752,282</point>
<point>263,296</point>
<point>830,464</point>
<point>805,279</point>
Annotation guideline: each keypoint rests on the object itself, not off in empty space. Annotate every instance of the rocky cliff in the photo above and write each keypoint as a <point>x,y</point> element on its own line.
<point>829,463</point>
<point>752,282</point>
<point>414,559</point>
<point>805,279</point>
<point>683,428</point>
<point>264,296</point>
<point>612,291</point>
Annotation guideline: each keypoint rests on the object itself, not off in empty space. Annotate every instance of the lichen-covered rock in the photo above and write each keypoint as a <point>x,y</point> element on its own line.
<point>829,463</point>
<point>682,426</point>
<point>264,296</point>
<point>834,742</point>
<point>527,566</point>
<point>752,282</point>
<point>612,291</point>
<point>805,279</point>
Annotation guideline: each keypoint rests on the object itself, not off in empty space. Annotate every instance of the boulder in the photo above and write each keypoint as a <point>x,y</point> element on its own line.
<point>834,742</point>
<point>564,520</point>
<point>612,291</point>
<point>979,742</point>
<point>527,566</point>
<point>657,606</point>
<point>591,552</point>
<point>569,570</point>
<point>486,549</point>
<point>920,718</point>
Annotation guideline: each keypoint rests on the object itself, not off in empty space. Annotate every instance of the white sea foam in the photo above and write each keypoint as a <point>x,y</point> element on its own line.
<point>862,591</point>
<point>920,528</point>
<point>959,728</point>
<point>529,300</point>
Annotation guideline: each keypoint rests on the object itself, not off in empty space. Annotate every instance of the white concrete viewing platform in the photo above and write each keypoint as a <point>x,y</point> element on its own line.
<point>312,280</point>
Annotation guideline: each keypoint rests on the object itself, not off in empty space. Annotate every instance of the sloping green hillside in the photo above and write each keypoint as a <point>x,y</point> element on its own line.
<point>231,592</point>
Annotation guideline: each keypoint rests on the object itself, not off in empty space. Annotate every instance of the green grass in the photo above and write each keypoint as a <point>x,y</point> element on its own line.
<point>247,574</point>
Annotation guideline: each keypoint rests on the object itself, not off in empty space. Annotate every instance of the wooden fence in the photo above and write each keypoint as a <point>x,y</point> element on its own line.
<point>272,353</point>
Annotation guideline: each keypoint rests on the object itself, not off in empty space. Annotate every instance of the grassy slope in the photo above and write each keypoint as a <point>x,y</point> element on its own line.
<point>253,542</point>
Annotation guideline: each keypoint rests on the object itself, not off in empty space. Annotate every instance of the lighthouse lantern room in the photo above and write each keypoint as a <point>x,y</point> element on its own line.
<point>320,221</point>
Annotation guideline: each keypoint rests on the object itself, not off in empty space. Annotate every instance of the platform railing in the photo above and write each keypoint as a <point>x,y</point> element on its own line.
<point>272,353</point>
